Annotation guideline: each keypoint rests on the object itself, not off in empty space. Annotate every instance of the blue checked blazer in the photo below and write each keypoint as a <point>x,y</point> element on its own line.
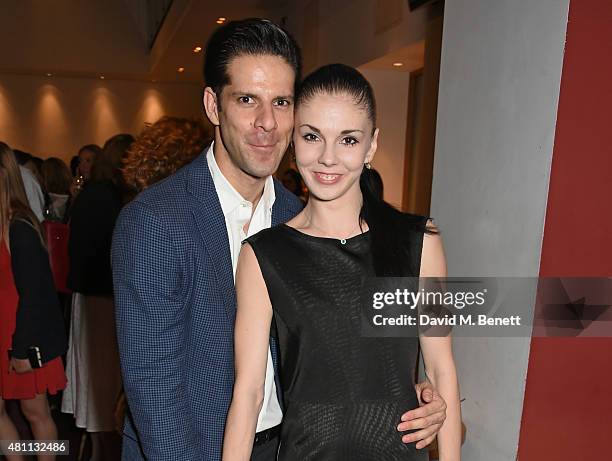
<point>175,311</point>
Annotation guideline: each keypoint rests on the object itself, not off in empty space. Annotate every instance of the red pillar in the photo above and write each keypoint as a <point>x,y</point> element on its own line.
<point>567,412</point>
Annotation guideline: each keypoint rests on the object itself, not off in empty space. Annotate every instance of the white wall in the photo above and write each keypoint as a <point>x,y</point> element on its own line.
<point>391,91</point>
<point>499,88</point>
<point>55,116</point>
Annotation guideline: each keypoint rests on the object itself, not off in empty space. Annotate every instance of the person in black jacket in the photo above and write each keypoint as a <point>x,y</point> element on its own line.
<point>94,377</point>
<point>32,335</point>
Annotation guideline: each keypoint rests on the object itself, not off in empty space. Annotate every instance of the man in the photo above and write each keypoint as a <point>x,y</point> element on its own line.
<point>175,252</point>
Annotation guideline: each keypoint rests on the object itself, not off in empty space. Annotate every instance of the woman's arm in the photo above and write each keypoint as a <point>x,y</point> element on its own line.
<point>251,342</point>
<point>438,357</point>
<point>29,272</point>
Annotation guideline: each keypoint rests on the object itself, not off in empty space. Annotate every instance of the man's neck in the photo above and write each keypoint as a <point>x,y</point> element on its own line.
<point>248,187</point>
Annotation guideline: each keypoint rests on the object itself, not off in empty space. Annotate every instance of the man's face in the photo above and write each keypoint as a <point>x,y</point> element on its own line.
<point>256,117</point>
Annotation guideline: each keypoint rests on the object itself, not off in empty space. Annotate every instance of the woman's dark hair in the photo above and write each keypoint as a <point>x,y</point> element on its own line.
<point>74,164</point>
<point>22,157</point>
<point>297,181</point>
<point>56,176</point>
<point>246,37</point>
<point>389,227</point>
<point>94,148</point>
<point>108,164</point>
<point>375,183</point>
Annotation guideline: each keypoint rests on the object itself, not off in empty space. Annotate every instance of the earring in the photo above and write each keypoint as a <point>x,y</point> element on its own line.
<point>368,165</point>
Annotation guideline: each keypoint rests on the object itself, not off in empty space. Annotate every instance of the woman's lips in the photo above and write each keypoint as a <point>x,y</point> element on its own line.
<point>327,178</point>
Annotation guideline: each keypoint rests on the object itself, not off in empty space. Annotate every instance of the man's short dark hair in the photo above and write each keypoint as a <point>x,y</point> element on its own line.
<point>246,37</point>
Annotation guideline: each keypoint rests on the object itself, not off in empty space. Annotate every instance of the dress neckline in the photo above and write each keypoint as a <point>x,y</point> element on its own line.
<point>329,239</point>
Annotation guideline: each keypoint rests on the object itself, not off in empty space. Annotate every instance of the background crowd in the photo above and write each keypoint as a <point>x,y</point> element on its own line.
<point>56,297</point>
<point>57,222</point>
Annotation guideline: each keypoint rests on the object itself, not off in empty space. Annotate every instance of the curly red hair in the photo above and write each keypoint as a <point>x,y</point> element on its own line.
<point>162,148</point>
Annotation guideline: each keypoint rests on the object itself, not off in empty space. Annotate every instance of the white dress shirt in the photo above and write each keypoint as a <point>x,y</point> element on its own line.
<point>238,212</point>
<point>36,199</point>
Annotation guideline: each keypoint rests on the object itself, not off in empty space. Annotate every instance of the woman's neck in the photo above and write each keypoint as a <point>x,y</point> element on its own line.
<point>338,218</point>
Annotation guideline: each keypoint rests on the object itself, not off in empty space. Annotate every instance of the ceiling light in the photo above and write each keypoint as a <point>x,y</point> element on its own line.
<point>221,20</point>
<point>180,70</point>
<point>49,74</point>
<point>398,64</point>
<point>101,77</point>
<point>197,49</point>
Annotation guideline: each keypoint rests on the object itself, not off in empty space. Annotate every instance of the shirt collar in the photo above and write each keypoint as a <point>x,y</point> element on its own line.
<point>229,197</point>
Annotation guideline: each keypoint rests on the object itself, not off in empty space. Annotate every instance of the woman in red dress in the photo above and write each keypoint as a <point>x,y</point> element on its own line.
<point>30,315</point>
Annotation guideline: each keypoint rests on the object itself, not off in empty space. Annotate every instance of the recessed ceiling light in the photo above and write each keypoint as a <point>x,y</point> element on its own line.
<point>180,69</point>
<point>197,49</point>
<point>398,64</point>
<point>221,20</point>
<point>49,74</point>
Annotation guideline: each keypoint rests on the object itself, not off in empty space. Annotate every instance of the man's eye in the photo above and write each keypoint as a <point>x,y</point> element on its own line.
<point>282,102</point>
<point>309,137</point>
<point>349,141</point>
<point>245,99</point>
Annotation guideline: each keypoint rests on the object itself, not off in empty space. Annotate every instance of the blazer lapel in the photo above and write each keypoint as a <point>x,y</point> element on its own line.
<point>210,221</point>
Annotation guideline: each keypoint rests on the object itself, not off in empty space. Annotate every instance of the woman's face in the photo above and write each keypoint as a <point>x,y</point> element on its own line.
<point>333,140</point>
<point>86,159</point>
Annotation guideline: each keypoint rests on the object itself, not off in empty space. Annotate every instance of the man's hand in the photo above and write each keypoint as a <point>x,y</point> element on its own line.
<point>19,365</point>
<point>429,417</point>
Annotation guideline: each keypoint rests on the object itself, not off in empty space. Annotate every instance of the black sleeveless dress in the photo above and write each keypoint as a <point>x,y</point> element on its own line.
<point>343,393</point>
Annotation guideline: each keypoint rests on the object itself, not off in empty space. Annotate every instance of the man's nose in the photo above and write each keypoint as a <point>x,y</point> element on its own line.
<point>266,119</point>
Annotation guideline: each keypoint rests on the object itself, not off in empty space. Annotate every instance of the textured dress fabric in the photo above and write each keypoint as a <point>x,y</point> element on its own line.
<point>344,393</point>
<point>92,364</point>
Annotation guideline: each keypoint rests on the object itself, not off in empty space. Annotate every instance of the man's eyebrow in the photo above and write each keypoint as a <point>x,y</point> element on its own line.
<point>254,96</point>
<point>244,93</point>
<point>311,127</point>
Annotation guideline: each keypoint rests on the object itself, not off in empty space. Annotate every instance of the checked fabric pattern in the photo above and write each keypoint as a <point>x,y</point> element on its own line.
<point>175,310</point>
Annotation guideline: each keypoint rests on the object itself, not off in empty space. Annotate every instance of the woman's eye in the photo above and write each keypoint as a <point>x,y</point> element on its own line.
<point>309,137</point>
<point>349,141</point>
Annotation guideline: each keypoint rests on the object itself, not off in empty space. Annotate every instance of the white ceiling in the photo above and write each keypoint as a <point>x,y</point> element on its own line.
<point>412,57</point>
<point>90,38</point>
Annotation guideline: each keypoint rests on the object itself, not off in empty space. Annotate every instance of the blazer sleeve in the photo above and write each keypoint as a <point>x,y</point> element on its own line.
<point>27,269</point>
<point>151,320</point>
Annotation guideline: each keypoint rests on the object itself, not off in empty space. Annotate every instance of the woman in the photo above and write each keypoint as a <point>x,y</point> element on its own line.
<point>343,393</point>
<point>30,316</point>
<point>85,160</point>
<point>93,359</point>
<point>161,149</point>
<point>56,181</point>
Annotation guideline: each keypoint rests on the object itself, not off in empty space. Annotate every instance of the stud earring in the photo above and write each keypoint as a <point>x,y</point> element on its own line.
<point>368,165</point>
